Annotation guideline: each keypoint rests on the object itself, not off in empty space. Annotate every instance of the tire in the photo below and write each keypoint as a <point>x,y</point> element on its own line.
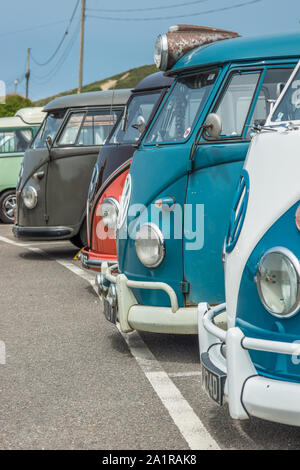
<point>7,205</point>
<point>80,239</point>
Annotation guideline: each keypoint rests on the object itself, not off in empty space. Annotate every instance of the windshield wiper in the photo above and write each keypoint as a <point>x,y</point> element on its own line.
<point>258,128</point>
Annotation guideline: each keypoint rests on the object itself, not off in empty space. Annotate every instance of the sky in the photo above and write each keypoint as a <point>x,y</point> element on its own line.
<point>116,40</point>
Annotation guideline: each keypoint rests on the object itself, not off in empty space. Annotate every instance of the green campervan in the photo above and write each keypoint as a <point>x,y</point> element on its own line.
<point>16,133</point>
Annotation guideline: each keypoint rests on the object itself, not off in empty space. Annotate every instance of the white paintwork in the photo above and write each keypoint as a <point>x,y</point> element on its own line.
<point>23,118</point>
<point>273,400</point>
<point>273,165</point>
<point>33,115</point>
<point>163,320</point>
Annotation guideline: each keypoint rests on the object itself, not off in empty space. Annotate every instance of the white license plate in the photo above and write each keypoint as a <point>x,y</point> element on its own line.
<point>213,379</point>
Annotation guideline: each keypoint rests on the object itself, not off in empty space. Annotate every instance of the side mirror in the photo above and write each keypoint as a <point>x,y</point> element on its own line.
<point>49,142</point>
<point>140,124</point>
<point>213,125</point>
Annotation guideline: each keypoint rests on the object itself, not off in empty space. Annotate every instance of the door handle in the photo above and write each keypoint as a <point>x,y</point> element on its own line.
<point>39,175</point>
<point>166,203</point>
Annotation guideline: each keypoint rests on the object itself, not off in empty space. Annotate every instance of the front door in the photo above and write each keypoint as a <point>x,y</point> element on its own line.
<point>71,163</point>
<point>242,101</point>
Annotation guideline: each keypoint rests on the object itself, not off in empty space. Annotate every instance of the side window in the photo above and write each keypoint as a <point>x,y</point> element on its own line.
<point>274,81</point>
<point>235,104</point>
<point>70,131</point>
<point>97,127</point>
<point>16,140</point>
<point>88,128</point>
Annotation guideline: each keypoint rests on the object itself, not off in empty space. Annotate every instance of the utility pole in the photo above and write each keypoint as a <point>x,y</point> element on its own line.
<point>81,45</point>
<point>27,74</point>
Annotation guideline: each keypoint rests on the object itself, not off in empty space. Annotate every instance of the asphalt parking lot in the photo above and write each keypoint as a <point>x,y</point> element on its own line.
<point>72,381</point>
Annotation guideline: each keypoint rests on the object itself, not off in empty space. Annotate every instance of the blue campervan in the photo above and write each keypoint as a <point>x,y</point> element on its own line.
<point>250,345</point>
<point>178,195</point>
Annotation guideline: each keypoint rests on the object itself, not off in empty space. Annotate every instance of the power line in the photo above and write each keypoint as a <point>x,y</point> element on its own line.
<point>32,28</point>
<point>215,10</point>
<point>41,80</point>
<point>60,42</point>
<point>147,9</point>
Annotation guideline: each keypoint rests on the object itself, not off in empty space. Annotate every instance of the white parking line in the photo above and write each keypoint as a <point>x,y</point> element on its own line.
<point>184,417</point>
<point>192,373</point>
<point>188,423</point>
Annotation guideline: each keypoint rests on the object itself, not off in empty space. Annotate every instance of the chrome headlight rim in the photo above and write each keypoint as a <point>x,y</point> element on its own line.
<point>294,261</point>
<point>35,196</point>
<point>161,58</point>
<point>115,203</point>
<point>161,245</point>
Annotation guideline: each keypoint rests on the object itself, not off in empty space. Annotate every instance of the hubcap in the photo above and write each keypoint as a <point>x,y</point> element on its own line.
<point>8,206</point>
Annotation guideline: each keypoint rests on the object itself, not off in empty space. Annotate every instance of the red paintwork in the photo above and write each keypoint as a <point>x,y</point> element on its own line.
<point>104,248</point>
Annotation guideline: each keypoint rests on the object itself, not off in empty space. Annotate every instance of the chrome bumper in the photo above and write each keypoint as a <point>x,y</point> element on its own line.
<point>247,393</point>
<point>88,263</point>
<point>133,316</point>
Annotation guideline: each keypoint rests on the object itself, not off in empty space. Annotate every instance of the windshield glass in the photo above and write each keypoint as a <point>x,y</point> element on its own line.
<point>139,111</point>
<point>49,127</point>
<point>289,106</point>
<point>183,106</point>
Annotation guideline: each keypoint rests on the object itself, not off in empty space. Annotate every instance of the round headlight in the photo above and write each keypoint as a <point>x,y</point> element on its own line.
<point>278,278</point>
<point>109,211</point>
<point>30,197</point>
<point>93,183</point>
<point>161,52</point>
<point>149,245</point>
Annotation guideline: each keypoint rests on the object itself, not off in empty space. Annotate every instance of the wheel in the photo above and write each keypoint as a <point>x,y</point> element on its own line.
<point>80,239</point>
<point>7,204</point>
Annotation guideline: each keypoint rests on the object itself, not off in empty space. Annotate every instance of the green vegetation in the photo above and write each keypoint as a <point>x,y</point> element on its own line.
<point>13,104</point>
<point>127,79</point>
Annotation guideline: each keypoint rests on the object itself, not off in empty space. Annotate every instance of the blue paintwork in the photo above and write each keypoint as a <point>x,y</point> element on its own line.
<point>242,49</point>
<point>238,211</point>
<point>204,268</point>
<point>174,177</point>
<point>251,316</point>
<point>163,170</point>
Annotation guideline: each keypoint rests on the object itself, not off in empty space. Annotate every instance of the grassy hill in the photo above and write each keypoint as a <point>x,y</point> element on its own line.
<point>128,79</point>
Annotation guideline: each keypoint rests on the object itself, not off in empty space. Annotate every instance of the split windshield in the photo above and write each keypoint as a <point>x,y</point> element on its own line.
<point>139,109</point>
<point>49,127</point>
<point>182,108</point>
<point>289,106</point>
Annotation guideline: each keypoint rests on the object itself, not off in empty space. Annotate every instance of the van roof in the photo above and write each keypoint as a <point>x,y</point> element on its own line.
<point>33,115</point>
<point>92,98</point>
<point>242,48</point>
<point>23,118</point>
<point>155,80</point>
